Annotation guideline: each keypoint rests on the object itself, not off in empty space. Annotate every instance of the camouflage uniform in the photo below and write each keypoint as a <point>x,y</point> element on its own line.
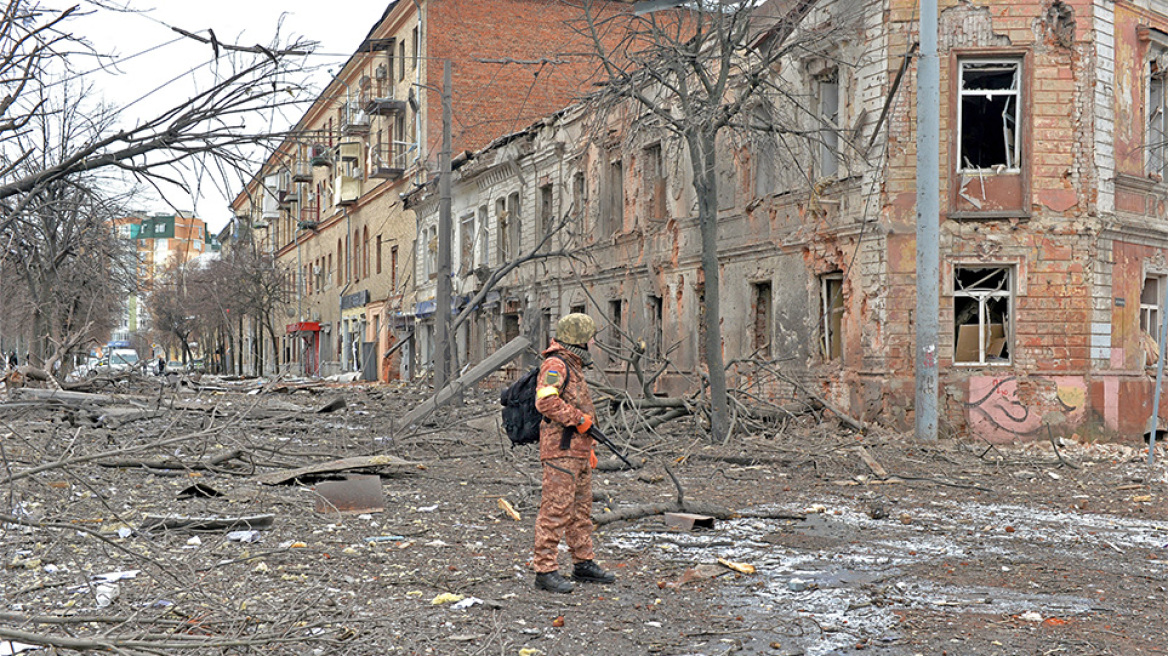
<point>566,505</point>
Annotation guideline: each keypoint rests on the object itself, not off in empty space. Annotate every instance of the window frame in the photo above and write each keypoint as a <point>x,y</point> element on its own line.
<point>982,296</point>
<point>1156,71</point>
<point>829,99</point>
<point>826,309</point>
<point>1020,92</point>
<point>1151,324</point>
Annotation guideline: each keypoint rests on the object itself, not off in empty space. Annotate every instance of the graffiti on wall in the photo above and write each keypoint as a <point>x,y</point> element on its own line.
<point>996,414</point>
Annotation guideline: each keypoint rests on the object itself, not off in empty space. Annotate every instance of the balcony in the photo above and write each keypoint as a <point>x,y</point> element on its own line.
<point>321,156</point>
<point>383,106</point>
<point>301,171</point>
<point>287,198</point>
<point>349,151</point>
<point>346,190</point>
<point>354,120</point>
<point>385,162</point>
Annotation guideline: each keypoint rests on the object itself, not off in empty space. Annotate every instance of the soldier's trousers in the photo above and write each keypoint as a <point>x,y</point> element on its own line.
<point>565,511</point>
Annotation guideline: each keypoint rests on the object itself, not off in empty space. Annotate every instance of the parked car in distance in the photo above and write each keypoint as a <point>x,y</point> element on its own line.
<point>117,360</point>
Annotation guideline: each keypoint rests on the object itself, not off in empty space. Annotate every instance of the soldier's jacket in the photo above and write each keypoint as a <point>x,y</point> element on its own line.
<point>565,406</point>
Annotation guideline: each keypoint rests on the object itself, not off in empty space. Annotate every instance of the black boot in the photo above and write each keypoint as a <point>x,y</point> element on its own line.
<point>589,571</point>
<point>553,582</point>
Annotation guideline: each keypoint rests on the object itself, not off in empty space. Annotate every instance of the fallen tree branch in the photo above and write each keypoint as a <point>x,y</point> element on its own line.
<point>650,509</point>
<point>206,524</point>
<point>160,643</point>
<point>211,464</point>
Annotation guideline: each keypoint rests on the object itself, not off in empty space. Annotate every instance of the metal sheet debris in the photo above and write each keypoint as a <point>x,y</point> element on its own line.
<point>688,521</point>
<point>355,494</point>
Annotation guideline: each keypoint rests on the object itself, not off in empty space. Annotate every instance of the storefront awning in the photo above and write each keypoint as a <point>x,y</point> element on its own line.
<point>303,327</point>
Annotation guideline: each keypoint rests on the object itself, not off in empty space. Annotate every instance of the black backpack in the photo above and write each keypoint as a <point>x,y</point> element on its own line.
<point>520,418</point>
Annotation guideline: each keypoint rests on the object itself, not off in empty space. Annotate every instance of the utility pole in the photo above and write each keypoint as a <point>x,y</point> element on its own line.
<point>928,223</point>
<point>442,309</point>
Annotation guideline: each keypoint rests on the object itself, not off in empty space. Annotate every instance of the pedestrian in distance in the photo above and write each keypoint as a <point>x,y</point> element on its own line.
<point>566,452</point>
<point>161,365</point>
<point>12,362</point>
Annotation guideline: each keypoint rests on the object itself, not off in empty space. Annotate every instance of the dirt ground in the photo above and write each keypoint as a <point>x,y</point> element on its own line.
<point>957,548</point>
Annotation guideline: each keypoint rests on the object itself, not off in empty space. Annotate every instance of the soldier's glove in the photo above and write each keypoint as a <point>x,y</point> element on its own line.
<point>584,425</point>
<point>592,461</point>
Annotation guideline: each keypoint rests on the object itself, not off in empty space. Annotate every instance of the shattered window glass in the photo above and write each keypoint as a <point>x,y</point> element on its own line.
<point>988,116</point>
<point>982,314</point>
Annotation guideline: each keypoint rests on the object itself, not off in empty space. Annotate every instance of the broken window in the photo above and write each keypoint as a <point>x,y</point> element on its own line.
<point>988,115</point>
<point>761,329</point>
<point>510,326</point>
<point>578,197</point>
<point>576,309</point>
<point>655,310</point>
<point>766,152</point>
<point>831,311</point>
<point>466,243</point>
<point>654,172</point>
<point>1157,120</point>
<point>514,225</point>
<point>546,218</point>
<point>1150,298</point>
<point>616,322</point>
<point>982,312</point>
<point>501,230</point>
<point>483,239</point>
<point>829,125</point>
<point>612,216</point>
<point>431,254</point>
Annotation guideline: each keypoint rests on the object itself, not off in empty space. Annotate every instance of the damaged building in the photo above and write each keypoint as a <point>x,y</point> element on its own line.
<point>1053,233</point>
<point>326,205</point>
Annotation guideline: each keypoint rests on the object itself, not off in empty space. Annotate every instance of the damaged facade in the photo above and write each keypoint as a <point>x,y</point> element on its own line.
<point>327,203</point>
<point>1053,233</point>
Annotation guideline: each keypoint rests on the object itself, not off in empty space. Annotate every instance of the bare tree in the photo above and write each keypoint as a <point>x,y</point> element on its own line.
<point>65,158</point>
<point>170,304</point>
<point>259,287</point>
<point>209,125</point>
<point>72,269</point>
<point>698,70</point>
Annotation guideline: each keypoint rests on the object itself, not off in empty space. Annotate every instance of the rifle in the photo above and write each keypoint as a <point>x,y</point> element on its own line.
<point>599,437</point>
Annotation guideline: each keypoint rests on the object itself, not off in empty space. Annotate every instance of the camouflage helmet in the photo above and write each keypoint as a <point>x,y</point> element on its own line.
<point>575,328</point>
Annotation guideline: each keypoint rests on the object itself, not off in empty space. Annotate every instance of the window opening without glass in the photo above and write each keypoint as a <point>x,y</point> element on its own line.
<point>988,116</point>
<point>982,312</point>
<point>831,310</point>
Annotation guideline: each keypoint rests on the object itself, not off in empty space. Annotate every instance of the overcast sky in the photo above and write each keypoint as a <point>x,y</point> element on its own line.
<point>338,25</point>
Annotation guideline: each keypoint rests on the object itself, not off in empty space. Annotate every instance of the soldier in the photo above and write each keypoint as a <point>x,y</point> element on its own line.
<point>566,451</point>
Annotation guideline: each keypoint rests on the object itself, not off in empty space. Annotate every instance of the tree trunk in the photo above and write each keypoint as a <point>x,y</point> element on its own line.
<point>704,159</point>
